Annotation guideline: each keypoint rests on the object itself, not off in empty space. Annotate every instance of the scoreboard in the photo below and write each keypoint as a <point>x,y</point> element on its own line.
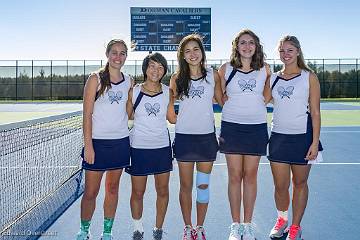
<point>161,29</point>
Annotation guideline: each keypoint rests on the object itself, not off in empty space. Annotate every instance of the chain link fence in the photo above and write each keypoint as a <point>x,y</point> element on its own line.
<point>65,79</point>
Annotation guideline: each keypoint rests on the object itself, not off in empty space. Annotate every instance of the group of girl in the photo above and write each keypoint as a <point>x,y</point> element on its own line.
<point>243,86</point>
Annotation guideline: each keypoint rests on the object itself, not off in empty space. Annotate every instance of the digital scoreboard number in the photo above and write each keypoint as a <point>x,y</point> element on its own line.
<point>161,29</point>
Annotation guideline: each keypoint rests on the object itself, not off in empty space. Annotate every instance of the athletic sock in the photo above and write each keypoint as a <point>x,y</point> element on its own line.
<point>108,223</point>
<point>85,225</point>
<point>283,214</point>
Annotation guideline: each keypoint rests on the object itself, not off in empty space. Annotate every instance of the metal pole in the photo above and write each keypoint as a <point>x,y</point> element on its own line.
<point>51,79</point>
<point>340,80</point>
<point>32,80</point>
<point>67,79</point>
<point>323,76</point>
<point>357,78</point>
<point>84,74</point>
<point>16,80</point>
<point>135,71</point>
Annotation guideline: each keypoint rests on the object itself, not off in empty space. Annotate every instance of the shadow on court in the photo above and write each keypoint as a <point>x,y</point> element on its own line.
<point>332,208</point>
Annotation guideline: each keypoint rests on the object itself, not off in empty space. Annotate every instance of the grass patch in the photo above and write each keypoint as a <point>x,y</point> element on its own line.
<point>329,118</point>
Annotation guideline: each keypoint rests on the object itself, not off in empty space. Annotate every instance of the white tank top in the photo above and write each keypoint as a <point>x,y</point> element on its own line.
<point>196,115</point>
<point>150,125</point>
<point>109,118</point>
<point>245,104</point>
<point>291,101</point>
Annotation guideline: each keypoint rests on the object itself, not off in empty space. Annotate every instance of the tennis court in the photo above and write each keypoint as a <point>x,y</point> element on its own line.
<point>333,199</point>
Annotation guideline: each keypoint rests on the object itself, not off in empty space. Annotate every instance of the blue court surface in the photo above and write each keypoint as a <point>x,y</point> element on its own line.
<point>333,209</point>
<point>332,212</point>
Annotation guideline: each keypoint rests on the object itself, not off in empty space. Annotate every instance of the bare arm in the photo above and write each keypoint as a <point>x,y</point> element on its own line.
<point>222,71</point>
<point>314,102</point>
<point>90,89</point>
<point>172,85</point>
<point>171,115</point>
<point>267,88</point>
<point>218,93</point>
<point>129,105</point>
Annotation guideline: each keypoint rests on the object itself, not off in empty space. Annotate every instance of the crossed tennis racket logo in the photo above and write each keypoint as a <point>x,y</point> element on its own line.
<point>285,92</point>
<point>196,92</point>
<point>152,109</point>
<point>115,96</point>
<point>247,85</point>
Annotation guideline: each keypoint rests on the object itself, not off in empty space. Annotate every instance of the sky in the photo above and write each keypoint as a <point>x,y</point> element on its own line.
<point>80,29</point>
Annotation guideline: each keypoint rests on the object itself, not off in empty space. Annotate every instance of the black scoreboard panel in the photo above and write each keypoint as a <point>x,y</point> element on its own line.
<point>161,29</point>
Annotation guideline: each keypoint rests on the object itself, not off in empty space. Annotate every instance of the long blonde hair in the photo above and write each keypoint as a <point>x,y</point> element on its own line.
<point>300,58</point>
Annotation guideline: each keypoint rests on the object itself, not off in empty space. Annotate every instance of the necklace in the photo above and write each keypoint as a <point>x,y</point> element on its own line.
<point>151,91</point>
<point>284,73</point>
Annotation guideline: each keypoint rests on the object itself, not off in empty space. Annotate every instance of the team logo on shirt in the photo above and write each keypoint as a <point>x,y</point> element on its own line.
<point>285,92</point>
<point>196,92</point>
<point>247,85</point>
<point>115,96</point>
<point>152,109</point>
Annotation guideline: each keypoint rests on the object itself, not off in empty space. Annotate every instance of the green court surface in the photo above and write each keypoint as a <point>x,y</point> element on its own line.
<point>12,117</point>
<point>334,114</point>
<point>329,118</point>
<point>17,112</point>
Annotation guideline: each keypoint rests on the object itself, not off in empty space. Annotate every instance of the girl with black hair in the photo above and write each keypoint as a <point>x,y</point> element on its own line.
<point>150,104</point>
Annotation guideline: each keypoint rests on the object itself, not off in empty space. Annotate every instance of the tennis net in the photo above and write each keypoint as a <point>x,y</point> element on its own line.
<point>40,173</point>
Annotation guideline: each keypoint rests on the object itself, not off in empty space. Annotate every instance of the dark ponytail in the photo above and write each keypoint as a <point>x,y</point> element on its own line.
<point>104,79</point>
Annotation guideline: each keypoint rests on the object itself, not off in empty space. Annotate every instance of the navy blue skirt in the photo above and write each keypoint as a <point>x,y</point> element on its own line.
<point>150,161</point>
<point>291,148</point>
<point>110,154</point>
<point>195,147</point>
<point>244,139</point>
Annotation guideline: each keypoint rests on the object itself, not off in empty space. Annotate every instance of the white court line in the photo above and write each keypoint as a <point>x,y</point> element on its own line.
<point>224,164</point>
<point>340,131</point>
<point>322,131</point>
<point>40,167</point>
<point>175,164</point>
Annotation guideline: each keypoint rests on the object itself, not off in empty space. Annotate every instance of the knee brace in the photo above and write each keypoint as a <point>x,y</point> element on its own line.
<point>202,195</point>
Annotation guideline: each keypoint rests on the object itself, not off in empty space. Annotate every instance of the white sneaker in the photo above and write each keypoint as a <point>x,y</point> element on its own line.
<point>249,231</point>
<point>106,237</point>
<point>294,233</point>
<point>279,228</point>
<point>188,233</point>
<point>236,230</point>
<point>83,236</point>
<point>199,233</point>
